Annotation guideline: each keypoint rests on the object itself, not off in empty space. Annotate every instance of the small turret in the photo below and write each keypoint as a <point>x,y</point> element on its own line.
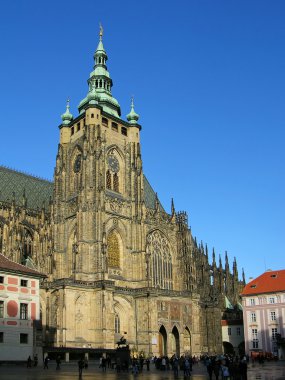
<point>67,116</point>
<point>132,117</point>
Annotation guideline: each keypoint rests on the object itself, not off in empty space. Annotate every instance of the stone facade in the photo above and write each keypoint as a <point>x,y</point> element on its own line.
<point>117,263</point>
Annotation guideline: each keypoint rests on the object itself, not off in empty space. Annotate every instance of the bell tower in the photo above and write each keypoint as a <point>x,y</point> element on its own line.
<point>98,183</point>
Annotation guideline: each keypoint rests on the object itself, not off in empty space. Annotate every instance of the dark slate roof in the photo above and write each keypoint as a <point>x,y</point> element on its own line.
<point>11,266</point>
<point>37,190</point>
<point>149,195</point>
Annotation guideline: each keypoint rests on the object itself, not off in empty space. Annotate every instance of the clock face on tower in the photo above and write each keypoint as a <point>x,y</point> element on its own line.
<point>77,164</point>
<point>113,164</point>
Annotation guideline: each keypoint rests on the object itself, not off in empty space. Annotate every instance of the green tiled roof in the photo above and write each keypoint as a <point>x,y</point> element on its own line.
<point>36,190</point>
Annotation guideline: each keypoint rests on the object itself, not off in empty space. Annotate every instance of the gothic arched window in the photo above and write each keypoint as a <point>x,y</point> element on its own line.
<point>117,324</point>
<point>27,246</point>
<point>116,182</point>
<point>160,261</point>
<point>113,250</point>
<point>108,180</point>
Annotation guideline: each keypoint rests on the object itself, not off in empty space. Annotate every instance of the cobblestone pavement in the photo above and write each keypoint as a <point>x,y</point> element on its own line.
<point>69,371</point>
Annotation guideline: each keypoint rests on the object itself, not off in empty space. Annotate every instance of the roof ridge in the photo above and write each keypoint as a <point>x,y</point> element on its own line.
<point>25,174</point>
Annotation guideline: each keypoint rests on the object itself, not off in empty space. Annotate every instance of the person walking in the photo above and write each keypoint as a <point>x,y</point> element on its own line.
<point>46,360</point>
<point>80,367</point>
<point>58,361</point>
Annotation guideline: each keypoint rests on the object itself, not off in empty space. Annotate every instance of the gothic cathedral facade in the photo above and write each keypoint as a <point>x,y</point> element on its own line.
<point>117,264</point>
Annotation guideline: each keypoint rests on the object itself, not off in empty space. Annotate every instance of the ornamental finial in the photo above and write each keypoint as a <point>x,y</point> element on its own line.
<point>101,31</point>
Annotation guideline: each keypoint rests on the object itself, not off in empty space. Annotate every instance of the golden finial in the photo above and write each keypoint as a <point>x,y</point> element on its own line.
<point>101,31</point>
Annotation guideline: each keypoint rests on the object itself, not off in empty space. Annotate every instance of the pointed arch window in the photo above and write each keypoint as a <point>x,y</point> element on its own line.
<point>113,250</point>
<point>108,180</point>
<point>27,246</point>
<point>117,324</point>
<point>160,261</point>
<point>116,182</point>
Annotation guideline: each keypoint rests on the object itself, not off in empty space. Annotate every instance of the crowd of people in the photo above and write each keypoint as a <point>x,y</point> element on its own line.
<point>226,367</point>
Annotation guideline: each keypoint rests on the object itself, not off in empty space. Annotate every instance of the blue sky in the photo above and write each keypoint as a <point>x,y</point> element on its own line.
<point>208,79</point>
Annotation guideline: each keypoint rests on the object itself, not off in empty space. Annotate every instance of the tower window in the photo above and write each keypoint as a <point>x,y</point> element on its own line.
<point>115,127</point>
<point>113,251</point>
<point>78,127</point>
<point>1,279</point>
<point>116,182</point>
<point>92,115</point>
<point>105,121</point>
<point>108,180</point>
<point>72,131</point>
<point>124,131</point>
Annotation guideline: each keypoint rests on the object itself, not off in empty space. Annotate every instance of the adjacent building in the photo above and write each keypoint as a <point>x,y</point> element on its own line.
<point>19,311</point>
<point>263,301</point>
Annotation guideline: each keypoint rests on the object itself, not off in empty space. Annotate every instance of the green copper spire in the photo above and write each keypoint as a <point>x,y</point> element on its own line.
<point>67,116</point>
<point>132,116</point>
<point>100,83</point>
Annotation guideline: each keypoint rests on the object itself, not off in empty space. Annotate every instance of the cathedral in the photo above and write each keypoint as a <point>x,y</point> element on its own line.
<point>116,263</point>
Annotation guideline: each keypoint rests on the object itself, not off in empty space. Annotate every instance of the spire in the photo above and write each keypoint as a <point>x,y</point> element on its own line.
<point>214,257</point>
<point>100,83</point>
<point>172,207</point>
<point>67,116</point>
<point>132,117</point>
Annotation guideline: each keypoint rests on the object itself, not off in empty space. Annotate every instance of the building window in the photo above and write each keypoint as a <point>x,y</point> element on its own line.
<point>1,337</point>
<point>160,265</point>
<point>115,126</point>
<point>271,300</point>
<point>78,127</point>
<point>105,121</point>
<point>72,131</point>
<point>23,311</point>
<point>24,338</point>
<point>238,331</point>
<point>254,338</point>
<point>229,331</point>
<point>117,324</point>
<point>252,301</point>
<point>1,279</point>
<point>273,316</point>
<point>92,115</point>
<point>274,332</point>
<point>124,131</point>
<point>24,283</point>
<point>1,309</point>
<point>253,317</point>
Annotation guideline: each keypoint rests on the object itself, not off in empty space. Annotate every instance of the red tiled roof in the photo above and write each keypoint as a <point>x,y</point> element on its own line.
<point>268,282</point>
<point>11,266</point>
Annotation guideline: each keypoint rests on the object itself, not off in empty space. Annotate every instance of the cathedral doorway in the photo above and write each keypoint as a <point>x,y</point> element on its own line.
<point>162,341</point>
<point>176,343</point>
<point>187,341</point>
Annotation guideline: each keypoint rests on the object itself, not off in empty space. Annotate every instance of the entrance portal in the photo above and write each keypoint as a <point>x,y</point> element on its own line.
<point>162,343</point>
<point>187,341</point>
<point>176,340</point>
